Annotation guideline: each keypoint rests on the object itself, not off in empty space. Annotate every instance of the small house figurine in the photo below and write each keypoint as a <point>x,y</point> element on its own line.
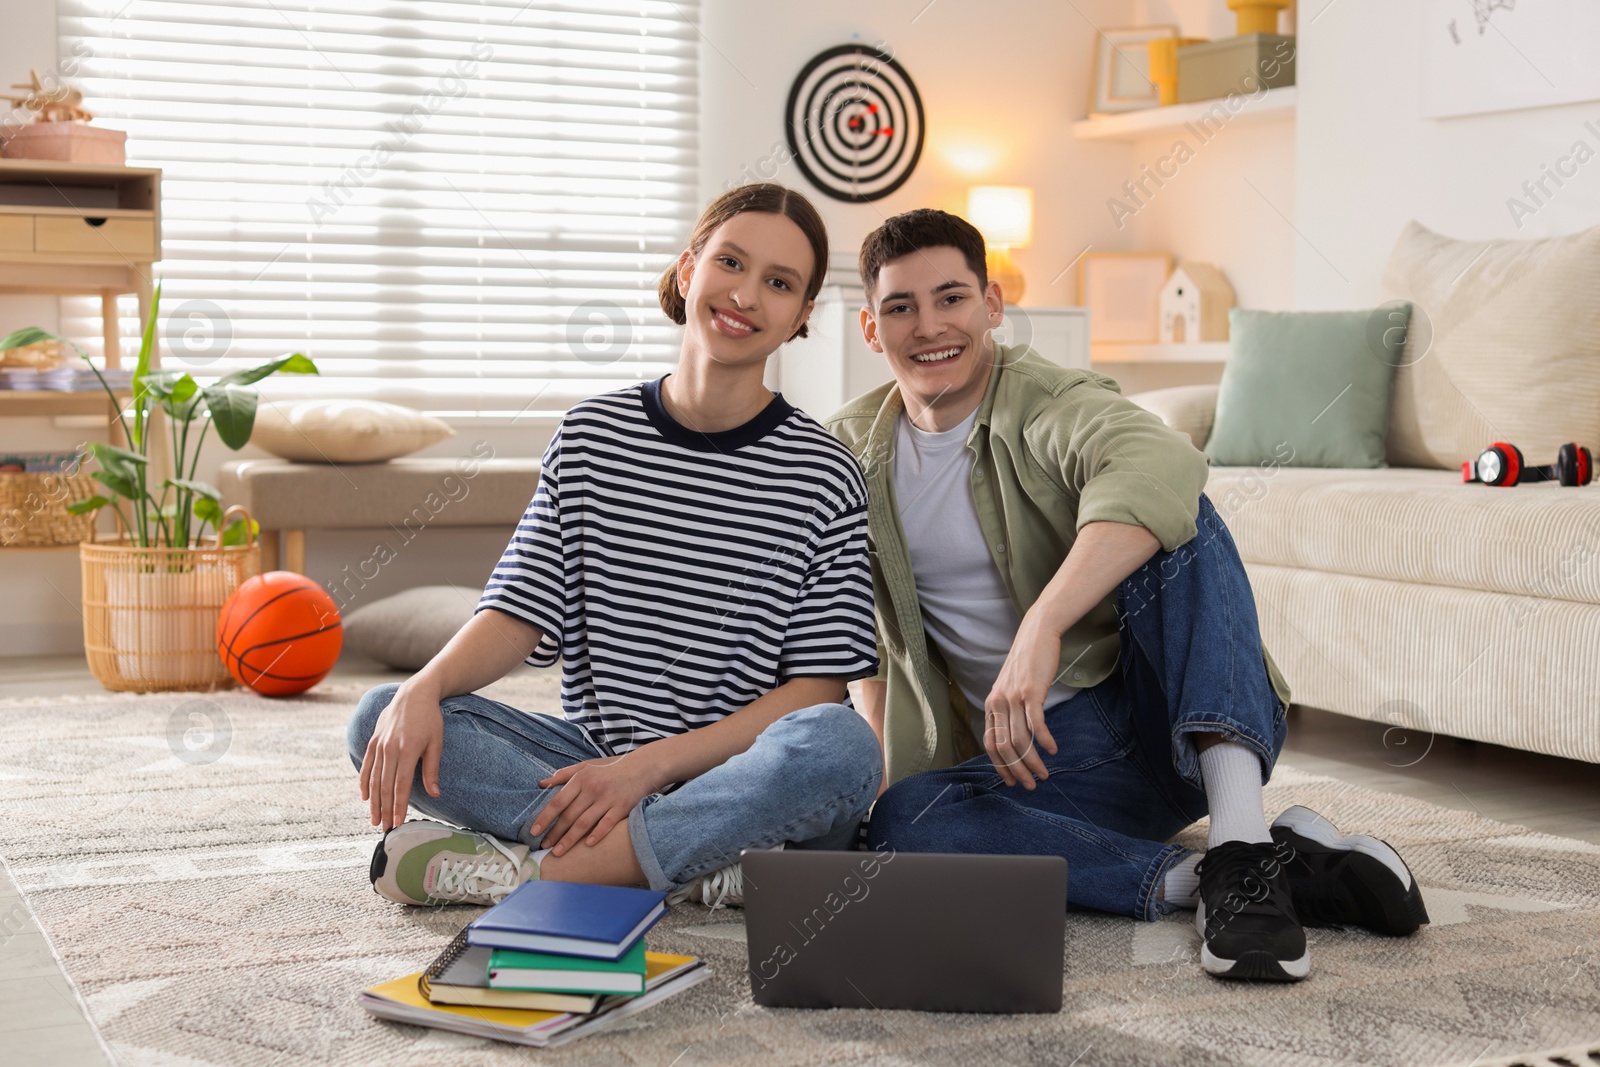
<point>1194,304</point>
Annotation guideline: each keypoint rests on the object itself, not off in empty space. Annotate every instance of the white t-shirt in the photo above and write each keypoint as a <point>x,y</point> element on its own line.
<point>966,607</point>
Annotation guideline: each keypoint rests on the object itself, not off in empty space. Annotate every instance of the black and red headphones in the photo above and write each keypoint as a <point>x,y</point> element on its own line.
<point>1502,464</point>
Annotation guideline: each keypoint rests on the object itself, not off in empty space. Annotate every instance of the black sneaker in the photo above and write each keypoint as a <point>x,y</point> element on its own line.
<point>1347,881</point>
<point>1246,916</point>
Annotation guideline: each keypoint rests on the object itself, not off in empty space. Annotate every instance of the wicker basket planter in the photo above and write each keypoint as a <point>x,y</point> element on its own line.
<point>150,614</point>
<point>33,508</point>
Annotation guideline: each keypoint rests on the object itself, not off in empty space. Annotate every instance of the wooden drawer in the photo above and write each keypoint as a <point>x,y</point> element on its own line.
<point>114,236</point>
<point>16,233</point>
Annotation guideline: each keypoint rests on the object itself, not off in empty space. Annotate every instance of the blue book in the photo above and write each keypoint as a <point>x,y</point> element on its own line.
<point>569,919</point>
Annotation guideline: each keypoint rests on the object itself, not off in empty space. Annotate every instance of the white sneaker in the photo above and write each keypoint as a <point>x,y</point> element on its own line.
<point>427,862</point>
<point>720,889</point>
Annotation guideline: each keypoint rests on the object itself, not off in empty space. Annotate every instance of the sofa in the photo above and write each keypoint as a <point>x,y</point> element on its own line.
<point>1403,595</point>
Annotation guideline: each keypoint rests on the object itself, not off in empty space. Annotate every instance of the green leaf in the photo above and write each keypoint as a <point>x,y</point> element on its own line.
<point>233,412</point>
<point>168,512</point>
<point>235,535</point>
<point>83,507</point>
<point>146,346</point>
<point>30,335</point>
<point>119,462</point>
<point>204,490</point>
<point>295,363</point>
<point>110,454</point>
<point>173,385</point>
<point>123,487</point>
<point>208,510</point>
<point>185,410</point>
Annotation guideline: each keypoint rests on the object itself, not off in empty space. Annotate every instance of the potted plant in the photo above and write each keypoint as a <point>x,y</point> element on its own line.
<point>152,592</point>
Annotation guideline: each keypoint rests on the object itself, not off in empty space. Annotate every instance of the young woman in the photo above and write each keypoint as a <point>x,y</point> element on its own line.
<point>696,556</point>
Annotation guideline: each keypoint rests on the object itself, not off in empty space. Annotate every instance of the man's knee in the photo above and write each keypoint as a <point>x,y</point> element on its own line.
<point>897,814</point>
<point>358,731</point>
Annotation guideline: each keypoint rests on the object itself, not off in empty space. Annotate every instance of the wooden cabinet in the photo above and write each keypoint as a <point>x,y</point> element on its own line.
<point>78,228</point>
<point>16,233</point>
<point>94,235</point>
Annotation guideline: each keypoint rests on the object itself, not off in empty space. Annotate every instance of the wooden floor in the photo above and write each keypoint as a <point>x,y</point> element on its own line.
<point>40,1021</point>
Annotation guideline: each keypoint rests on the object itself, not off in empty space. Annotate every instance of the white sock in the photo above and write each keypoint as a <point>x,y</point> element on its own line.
<point>538,859</point>
<point>1232,777</point>
<point>1182,886</point>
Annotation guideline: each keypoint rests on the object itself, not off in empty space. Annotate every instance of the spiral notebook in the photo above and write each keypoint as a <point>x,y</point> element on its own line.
<point>459,975</point>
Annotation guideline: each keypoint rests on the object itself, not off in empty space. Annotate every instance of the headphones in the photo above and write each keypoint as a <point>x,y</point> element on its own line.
<point>1502,464</point>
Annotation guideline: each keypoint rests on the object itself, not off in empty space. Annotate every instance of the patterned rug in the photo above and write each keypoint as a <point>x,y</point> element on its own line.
<point>199,866</point>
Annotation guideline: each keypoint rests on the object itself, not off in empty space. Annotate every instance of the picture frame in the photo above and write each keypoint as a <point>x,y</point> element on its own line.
<point>1122,291</point>
<point>1122,69</point>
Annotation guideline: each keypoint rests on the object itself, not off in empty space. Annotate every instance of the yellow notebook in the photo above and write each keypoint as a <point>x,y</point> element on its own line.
<point>401,1000</point>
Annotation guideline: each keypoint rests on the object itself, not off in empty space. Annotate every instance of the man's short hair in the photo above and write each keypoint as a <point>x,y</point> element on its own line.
<point>925,227</point>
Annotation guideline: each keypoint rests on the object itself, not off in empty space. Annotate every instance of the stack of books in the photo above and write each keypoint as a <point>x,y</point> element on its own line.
<point>65,379</point>
<point>550,963</point>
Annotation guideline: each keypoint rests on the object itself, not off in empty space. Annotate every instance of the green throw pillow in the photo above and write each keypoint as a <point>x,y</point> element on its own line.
<point>1307,388</point>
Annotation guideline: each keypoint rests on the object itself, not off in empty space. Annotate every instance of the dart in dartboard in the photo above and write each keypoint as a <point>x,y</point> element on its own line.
<point>854,123</point>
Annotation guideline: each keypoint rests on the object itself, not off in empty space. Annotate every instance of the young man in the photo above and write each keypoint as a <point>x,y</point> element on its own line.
<point>1051,583</point>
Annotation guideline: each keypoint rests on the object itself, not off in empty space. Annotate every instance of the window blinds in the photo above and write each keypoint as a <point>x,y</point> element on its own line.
<point>462,205</point>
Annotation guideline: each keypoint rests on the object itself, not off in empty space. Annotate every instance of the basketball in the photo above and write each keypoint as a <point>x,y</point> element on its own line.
<point>279,633</point>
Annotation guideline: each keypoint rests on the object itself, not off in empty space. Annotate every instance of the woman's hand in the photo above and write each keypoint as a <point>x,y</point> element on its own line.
<point>1013,714</point>
<point>409,730</point>
<point>594,796</point>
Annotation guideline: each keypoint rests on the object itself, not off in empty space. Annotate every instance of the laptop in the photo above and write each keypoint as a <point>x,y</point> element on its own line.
<point>920,931</point>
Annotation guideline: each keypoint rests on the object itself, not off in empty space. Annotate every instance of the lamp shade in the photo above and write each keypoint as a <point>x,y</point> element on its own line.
<point>1003,213</point>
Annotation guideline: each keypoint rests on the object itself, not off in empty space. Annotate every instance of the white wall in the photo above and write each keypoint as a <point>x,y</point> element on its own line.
<point>1209,211</point>
<point>1367,161</point>
<point>41,589</point>
<point>1000,85</point>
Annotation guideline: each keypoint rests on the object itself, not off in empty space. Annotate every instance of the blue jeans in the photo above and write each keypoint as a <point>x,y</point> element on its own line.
<point>807,781</point>
<point>1125,777</point>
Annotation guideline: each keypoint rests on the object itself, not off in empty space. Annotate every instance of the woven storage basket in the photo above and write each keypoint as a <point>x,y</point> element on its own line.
<point>33,508</point>
<point>150,614</point>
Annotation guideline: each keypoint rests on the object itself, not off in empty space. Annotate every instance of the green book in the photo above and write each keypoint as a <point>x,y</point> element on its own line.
<point>509,969</point>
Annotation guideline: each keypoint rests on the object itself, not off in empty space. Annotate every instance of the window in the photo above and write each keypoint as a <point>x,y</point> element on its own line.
<point>462,205</point>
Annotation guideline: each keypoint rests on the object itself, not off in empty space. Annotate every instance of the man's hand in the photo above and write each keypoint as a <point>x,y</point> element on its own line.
<point>1013,714</point>
<point>411,728</point>
<point>595,796</point>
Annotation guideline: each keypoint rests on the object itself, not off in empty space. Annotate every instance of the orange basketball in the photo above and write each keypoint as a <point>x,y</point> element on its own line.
<point>279,633</point>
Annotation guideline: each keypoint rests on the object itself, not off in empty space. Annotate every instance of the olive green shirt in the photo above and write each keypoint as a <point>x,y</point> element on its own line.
<point>1053,449</point>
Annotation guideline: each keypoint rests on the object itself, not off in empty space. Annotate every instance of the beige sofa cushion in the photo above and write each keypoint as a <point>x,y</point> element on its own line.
<point>1515,352</point>
<point>1424,526</point>
<point>405,494</point>
<point>1189,409</point>
<point>344,431</point>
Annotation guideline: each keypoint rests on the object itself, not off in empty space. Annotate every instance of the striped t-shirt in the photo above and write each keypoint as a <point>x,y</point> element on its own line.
<point>680,575</point>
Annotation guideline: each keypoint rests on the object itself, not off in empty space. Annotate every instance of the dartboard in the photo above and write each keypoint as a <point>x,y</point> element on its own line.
<point>855,123</point>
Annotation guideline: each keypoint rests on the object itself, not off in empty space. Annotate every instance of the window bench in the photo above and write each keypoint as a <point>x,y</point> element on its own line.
<point>405,495</point>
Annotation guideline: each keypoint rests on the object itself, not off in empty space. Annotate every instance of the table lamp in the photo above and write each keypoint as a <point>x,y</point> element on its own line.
<point>1004,215</point>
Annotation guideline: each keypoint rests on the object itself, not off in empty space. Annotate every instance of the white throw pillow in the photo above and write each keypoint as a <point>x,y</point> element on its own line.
<point>1516,347</point>
<point>344,431</point>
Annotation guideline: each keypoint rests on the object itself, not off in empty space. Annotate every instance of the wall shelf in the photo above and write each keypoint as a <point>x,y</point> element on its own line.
<point>1196,352</point>
<point>1275,105</point>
